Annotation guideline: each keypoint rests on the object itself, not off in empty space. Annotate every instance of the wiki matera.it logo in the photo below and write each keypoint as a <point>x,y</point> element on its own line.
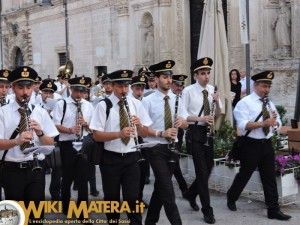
<point>11,213</point>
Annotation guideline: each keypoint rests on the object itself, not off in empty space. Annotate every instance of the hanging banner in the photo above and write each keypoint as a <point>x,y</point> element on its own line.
<point>243,22</point>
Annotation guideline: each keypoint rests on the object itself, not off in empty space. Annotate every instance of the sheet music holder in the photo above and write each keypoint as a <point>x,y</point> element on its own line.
<point>77,145</point>
<point>147,144</point>
<point>45,149</point>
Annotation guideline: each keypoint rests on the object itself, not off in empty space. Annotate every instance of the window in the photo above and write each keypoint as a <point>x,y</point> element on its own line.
<point>19,58</point>
<point>62,58</point>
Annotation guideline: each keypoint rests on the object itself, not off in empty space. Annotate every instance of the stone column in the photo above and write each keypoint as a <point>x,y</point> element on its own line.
<point>166,40</point>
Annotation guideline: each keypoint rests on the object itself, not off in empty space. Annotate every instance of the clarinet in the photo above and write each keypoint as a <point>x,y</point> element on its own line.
<point>171,144</point>
<point>278,139</point>
<point>209,132</point>
<point>36,165</point>
<point>79,114</point>
<point>132,125</point>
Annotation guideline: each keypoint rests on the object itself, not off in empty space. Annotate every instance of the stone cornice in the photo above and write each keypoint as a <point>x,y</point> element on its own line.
<point>138,6</point>
<point>57,4</point>
<point>165,2</point>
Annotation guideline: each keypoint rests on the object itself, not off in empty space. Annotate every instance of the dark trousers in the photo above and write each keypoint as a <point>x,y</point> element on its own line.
<point>55,183</point>
<point>24,185</point>
<point>121,172</point>
<point>74,167</point>
<point>180,135</point>
<point>163,193</point>
<point>203,162</point>
<point>179,177</point>
<point>255,154</point>
<point>92,179</point>
<point>145,171</point>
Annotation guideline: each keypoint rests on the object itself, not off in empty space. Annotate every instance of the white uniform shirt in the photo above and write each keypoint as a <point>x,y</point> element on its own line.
<point>71,116</point>
<point>155,107</point>
<point>10,98</point>
<point>9,121</point>
<point>247,110</point>
<point>244,84</point>
<point>61,86</point>
<point>192,99</point>
<point>112,124</point>
<point>33,97</point>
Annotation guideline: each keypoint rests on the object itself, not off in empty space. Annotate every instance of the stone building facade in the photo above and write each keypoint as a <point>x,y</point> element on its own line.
<point>114,34</point>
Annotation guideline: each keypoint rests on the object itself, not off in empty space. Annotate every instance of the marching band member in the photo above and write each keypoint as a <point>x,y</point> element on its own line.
<point>119,167</point>
<point>257,149</point>
<point>19,181</point>
<point>4,87</point>
<point>72,128</point>
<point>197,99</point>
<point>159,106</point>
<point>107,90</point>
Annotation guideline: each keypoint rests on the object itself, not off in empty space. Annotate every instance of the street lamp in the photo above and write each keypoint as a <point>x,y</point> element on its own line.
<point>65,4</point>
<point>67,30</point>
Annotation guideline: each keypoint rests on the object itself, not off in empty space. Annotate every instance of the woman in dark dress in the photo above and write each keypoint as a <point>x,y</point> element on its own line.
<point>234,76</point>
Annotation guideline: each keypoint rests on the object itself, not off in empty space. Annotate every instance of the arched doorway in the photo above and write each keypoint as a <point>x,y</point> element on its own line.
<point>19,61</point>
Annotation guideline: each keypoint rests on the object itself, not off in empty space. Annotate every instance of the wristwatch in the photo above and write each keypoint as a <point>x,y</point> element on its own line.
<point>40,135</point>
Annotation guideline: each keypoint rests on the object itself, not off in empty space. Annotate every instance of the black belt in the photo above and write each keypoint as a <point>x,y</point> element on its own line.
<point>119,153</point>
<point>260,141</point>
<point>21,165</point>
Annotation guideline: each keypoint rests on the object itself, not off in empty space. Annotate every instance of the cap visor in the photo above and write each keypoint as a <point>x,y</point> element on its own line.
<point>23,82</point>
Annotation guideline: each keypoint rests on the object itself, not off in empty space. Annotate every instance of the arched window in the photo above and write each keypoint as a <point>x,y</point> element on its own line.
<point>19,58</point>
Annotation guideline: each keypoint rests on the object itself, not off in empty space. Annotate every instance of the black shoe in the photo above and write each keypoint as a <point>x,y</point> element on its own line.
<point>209,219</point>
<point>231,205</point>
<point>75,188</point>
<point>147,181</point>
<point>278,215</point>
<point>94,193</point>
<point>191,200</point>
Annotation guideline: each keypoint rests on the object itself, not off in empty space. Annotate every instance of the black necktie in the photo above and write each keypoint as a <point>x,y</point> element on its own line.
<point>265,115</point>
<point>123,121</point>
<point>205,103</point>
<point>168,115</point>
<point>23,127</point>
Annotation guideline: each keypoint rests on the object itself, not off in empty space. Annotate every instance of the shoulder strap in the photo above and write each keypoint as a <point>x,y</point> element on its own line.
<point>248,132</point>
<point>64,110</point>
<point>108,106</point>
<point>14,134</point>
<point>200,113</point>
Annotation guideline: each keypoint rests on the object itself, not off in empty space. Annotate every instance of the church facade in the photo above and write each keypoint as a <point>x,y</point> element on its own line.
<point>106,35</point>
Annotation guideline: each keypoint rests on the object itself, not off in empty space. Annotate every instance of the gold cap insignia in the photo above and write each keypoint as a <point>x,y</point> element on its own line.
<point>124,74</point>
<point>205,61</point>
<point>142,79</point>
<point>25,73</point>
<point>81,81</point>
<point>144,69</point>
<point>181,78</point>
<point>49,85</point>
<point>270,75</point>
<point>168,65</point>
<point>5,74</point>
